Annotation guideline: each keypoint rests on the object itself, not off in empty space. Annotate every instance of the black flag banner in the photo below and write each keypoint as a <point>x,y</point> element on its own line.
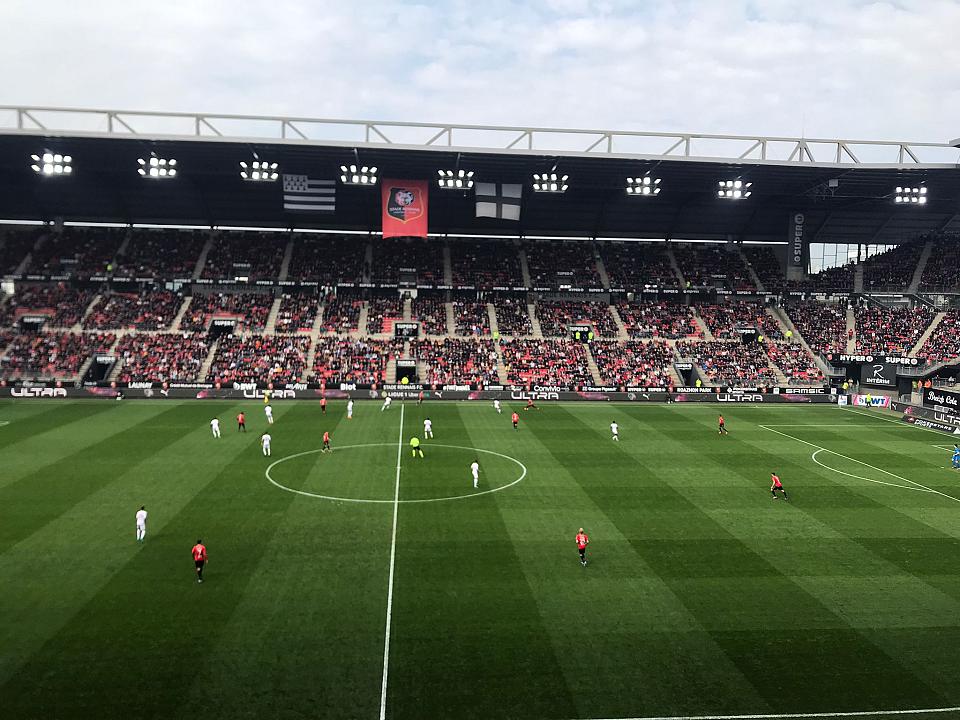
<point>495,200</point>
<point>309,194</point>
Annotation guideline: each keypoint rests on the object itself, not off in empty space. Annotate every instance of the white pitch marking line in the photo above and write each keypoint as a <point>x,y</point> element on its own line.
<point>393,559</point>
<point>861,462</point>
<point>860,477</point>
<point>783,716</point>
<point>4,422</point>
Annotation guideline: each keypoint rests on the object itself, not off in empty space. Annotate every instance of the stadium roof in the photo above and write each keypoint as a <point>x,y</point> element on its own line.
<point>845,187</point>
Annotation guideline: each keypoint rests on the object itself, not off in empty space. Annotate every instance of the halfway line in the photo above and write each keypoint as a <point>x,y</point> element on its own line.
<point>393,559</point>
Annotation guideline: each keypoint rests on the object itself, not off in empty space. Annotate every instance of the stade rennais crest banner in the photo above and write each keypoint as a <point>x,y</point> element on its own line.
<point>404,204</point>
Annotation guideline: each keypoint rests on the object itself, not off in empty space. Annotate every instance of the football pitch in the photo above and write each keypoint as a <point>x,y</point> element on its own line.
<point>366,583</point>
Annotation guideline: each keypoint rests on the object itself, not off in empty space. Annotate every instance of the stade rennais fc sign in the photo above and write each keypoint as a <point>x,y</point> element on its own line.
<point>404,208</point>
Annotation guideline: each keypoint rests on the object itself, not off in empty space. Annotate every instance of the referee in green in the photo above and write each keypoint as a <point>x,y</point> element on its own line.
<point>415,447</point>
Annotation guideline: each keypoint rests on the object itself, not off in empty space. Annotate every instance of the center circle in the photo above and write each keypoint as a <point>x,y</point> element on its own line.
<point>271,466</point>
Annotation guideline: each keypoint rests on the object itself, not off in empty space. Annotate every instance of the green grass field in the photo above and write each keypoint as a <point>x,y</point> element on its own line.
<point>702,595</point>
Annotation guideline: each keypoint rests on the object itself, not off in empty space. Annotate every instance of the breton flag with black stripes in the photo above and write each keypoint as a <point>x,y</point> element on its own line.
<point>304,194</point>
<point>495,200</point>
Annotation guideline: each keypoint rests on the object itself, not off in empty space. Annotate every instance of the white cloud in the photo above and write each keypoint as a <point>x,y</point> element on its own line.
<point>883,70</point>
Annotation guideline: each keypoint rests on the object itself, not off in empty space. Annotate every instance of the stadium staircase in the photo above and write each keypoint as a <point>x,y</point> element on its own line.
<point>601,270</point>
<point>271,325</point>
<point>592,366</point>
<point>447,267</point>
<point>536,331</point>
<point>451,319</point>
<point>390,374</point>
<point>622,334</point>
<point>524,268</point>
<point>407,310</point>
<point>175,325</point>
<point>24,264</point>
<point>122,250</point>
<point>367,263</point>
<point>676,267</point>
<point>501,365</point>
<point>858,278</point>
<point>314,340</point>
<point>208,361</point>
<point>927,333</point>
<point>362,322</point>
<point>202,260</point>
<point>921,266</point>
<point>750,270</point>
<point>494,325</point>
<point>89,309</point>
<point>852,325</point>
<point>707,335</point>
<point>285,263</point>
<point>786,324</point>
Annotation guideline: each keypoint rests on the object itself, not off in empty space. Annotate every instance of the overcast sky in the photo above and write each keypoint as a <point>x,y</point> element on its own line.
<point>836,68</point>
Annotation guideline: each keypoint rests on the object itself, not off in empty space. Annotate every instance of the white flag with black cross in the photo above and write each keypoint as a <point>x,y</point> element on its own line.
<point>497,200</point>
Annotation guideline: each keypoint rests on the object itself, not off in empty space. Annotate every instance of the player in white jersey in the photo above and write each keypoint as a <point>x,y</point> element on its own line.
<point>265,443</point>
<point>496,406</point>
<point>268,411</point>
<point>350,409</point>
<point>215,427</point>
<point>475,471</point>
<point>615,430</point>
<point>386,403</point>
<point>428,429</point>
<point>141,523</point>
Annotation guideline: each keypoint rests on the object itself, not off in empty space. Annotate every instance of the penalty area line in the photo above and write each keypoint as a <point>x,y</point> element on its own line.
<point>393,560</point>
<point>800,716</point>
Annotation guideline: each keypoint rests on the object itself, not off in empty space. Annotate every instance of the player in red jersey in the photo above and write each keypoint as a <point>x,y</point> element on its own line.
<point>326,441</point>
<point>420,398</point>
<point>722,427</point>
<point>516,420</point>
<point>241,423</point>
<point>531,405</point>
<point>775,485</point>
<point>582,542</point>
<point>199,553</point>
<point>323,405</point>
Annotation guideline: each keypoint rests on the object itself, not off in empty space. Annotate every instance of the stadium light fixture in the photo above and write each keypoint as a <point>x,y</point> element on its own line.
<point>455,180</point>
<point>157,168</point>
<point>358,175</point>
<point>734,189</point>
<point>643,186</point>
<point>259,171</point>
<point>52,164</point>
<point>550,182</point>
<point>910,195</point>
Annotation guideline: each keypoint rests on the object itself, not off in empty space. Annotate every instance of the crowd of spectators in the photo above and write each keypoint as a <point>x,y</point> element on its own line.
<point>636,265</point>
<point>713,266</point>
<point>251,310</point>
<point>328,260</point>
<point>341,314</point>
<point>62,303</point>
<point>414,258</point>
<point>513,317</point>
<point>633,363</point>
<point>457,361</point>
<point>795,362</point>
<point>160,254</point>
<point>431,314</point>
<point>249,254</point>
<point>942,271</point>
<point>297,313</point>
<point>15,245</point>
<point>890,330</point>
<point>343,360</point>
<point>835,279</point>
<point>893,269</point>
<point>149,310</point>
<point>546,362</point>
<point>724,320</point>
<point>37,356</point>
<point>260,358</point>
<point>767,267</point>
<point>556,316</point>
<point>486,264</point>
<point>165,357</point>
<point>730,363</point>
<point>943,345</point>
<point>658,320</point>
<point>77,252</point>
<point>822,325</point>
<point>471,318</point>
<point>555,264</point>
<point>382,313</point>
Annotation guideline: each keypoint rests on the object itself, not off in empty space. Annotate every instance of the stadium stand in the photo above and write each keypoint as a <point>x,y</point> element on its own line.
<point>795,363</point>
<point>513,318</point>
<point>485,265</point>
<point>891,270</point>
<point>297,313</point>
<point>636,265</point>
<point>633,363</point>
<point>822,325</point>
<point>382,313</point>
<point>943,345</point>
<point>554,264</point>
<point>160,254</point>
<point>890,331</point>
<point>328,259</point>
<point>63,304</point>
<point>431,313</point>
<point>767,267</point>
<point>51,355</point>
<point>340,360</point>
<point>942,271</point>
<point>250,310</point>
<point>670,321</point>
<point>471,318</point>
<point>419,261</point>
<point>546,362</point>
<point>456,361</point>
<point>556,316</point>
<point>713,266</point>
<point>252,255</point>
<point>150,310</point>
<point>730,362</point>
<point>261,358</point>
<point>76,252</point>
<point>724,320</point>
<point>15,245</point>
<point>341,314</point>
<point>161,358</point>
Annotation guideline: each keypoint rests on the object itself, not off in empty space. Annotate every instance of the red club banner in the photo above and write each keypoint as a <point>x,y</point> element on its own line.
<point>404,204</point>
